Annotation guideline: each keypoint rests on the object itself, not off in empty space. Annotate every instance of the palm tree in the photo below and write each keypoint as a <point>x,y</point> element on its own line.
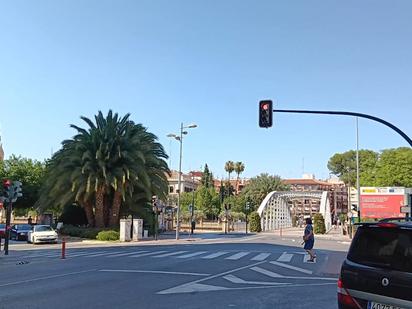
<point>229,168</point>
<point>239,169</point>
<point>113,160</point>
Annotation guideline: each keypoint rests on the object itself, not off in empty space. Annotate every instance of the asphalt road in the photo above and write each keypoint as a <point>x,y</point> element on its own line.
<point>253,272</point>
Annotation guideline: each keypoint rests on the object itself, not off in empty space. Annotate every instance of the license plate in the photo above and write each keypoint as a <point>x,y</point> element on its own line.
<point>22,234</point>
<point>373,305</point>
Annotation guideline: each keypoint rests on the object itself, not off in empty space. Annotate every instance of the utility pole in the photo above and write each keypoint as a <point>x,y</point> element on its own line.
<point>357,171</point>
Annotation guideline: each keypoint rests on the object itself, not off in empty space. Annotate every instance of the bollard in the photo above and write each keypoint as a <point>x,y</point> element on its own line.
<point>63,248</point>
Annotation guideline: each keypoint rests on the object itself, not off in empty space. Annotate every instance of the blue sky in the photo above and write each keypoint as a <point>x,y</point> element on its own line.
<point>209,62</point>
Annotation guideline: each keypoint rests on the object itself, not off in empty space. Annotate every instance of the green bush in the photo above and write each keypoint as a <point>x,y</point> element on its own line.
<point>319,224</point>
<point>254,222</point>
<point>70,230</point>
<point>108,235</point>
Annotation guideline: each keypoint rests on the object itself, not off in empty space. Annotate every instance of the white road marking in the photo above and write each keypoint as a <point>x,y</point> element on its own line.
<point>215,255</point>
<point>285,257</point>
<point>235,279</point>
<point>47,277</point>
<point>260,257</point>
<point>275,275</point>
<point>237,256</point>
<point>153,272</point>
<point>305,271</point>
<point>189,255</point>
<point>169,254</point>
<point>266,272</point>
<point>146,254</point>
<point>91,254</point>
<point>121,254</point>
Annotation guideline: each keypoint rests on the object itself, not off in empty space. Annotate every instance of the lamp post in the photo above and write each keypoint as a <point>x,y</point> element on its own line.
<point>247,208</point>
<point>179,138</point>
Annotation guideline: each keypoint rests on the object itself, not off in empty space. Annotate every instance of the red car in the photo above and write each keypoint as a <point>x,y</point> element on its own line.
<point>2,231</point>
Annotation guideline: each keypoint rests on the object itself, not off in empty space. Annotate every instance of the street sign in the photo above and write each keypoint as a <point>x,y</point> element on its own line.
<point>405,209</point>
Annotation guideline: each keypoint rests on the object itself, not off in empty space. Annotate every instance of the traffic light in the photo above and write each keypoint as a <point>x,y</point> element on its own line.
<point>17,190</point>
<point>265,113</point>
<point>154,201</point>
<point>354,207</point>
<point>5,192</point>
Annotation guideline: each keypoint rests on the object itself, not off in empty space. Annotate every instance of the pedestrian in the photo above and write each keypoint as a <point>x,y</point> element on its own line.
<point>30,221</point>
<point>309,240</point>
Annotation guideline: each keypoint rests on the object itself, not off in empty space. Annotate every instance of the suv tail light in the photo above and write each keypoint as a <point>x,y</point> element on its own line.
<point>387,225</point>
<point>344,298</point>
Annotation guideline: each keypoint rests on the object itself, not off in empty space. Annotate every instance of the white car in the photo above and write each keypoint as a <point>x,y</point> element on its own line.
<point>42,233</point>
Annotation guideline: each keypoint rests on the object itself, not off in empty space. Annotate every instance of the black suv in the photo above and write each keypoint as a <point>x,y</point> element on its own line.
<point>377,273</point>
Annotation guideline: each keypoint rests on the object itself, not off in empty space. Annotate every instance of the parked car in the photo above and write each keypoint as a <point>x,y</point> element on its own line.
<point>2,231</point>
<point>19,231</point>
<point>377,273</point>
<point>42,233</point>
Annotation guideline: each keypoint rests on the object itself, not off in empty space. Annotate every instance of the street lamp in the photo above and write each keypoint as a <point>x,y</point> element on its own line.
<point>179,138</point>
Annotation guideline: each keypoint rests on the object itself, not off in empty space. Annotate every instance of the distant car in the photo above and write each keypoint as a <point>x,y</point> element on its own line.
<point>377,273</point>
<point>42,234</point>
<point>2,231</point>
<point>19,231</point>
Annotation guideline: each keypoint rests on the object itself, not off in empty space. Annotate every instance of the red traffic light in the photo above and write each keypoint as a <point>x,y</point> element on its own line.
<point>265,113</point>
<point>6,183</point>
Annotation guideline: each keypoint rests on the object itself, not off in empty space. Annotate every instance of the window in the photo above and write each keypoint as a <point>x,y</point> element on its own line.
<point>383,247</point>
<point>171,189</point>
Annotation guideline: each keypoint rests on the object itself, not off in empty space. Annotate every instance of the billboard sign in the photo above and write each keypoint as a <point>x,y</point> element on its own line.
<point>382,202</point>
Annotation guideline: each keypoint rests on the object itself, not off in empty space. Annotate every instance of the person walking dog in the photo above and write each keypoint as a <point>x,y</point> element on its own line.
<point>309,240</point>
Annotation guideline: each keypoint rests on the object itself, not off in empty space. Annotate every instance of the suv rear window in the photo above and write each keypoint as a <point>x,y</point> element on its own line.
<point>383,247</point>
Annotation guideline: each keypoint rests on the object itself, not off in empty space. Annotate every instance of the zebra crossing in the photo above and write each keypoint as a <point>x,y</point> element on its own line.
<point>87,253</point>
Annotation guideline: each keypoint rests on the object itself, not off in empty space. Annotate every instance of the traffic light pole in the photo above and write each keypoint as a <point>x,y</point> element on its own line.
<point>8,222</point>
<point>386,123</point>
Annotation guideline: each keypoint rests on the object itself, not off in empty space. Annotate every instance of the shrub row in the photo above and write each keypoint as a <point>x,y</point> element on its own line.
<point>90,233</point>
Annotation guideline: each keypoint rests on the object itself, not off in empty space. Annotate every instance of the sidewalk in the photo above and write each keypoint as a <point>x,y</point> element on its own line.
<point>333,234</point>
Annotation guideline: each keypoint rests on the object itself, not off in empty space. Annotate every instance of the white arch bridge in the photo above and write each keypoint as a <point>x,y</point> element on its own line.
<point>275,210</point>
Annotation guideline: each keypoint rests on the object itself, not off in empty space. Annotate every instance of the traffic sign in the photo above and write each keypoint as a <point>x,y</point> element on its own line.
<point>405,209</point>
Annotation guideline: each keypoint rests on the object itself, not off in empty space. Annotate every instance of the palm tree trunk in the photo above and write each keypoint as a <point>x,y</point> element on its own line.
<point>115,211</point>
<point>88,209</point>
<point>100,208</point>
<point>237,182</point>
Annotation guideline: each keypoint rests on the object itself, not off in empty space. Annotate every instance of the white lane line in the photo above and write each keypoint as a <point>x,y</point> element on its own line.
<point>275,275</point>
<point>153,272</point>
<point>84,254</point>
<point>237,256</point>
<point>194,286</point>
<point>47,277</point>
<point>266,272</point>
<point>169,254</point>
<point>215,255</point>
<point>191,255</point>
<point>285,257</point>
<point>260,257</point>
<point>101,253</point>
<point>235,279</point>
<point>146,254</point>
<point>305,271</point>
<point>122,254</point>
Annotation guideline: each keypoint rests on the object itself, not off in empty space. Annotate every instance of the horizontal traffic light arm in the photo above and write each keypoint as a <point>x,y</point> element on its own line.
<point>388,124</point>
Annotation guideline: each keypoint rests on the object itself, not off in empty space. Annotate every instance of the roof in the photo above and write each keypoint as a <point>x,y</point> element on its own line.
<point>301,181</point>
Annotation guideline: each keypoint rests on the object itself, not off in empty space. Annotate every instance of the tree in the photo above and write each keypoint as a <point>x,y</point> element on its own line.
<point>394,168</point>
<point>239,168</point>
<point>207,178</point>
<point>254,221</point>
<point>319,224</point>
<point>343,165</point>
<point>30,173</point>
<point>102,166</point>
<point>391,167</point>
<point>258,187</point>
<point>207,201</point>
<point>229,168</point>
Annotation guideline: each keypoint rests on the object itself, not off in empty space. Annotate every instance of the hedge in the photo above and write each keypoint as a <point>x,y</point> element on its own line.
<point>83,232</point>
<point>254,222</point>
<point>108,235</point>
